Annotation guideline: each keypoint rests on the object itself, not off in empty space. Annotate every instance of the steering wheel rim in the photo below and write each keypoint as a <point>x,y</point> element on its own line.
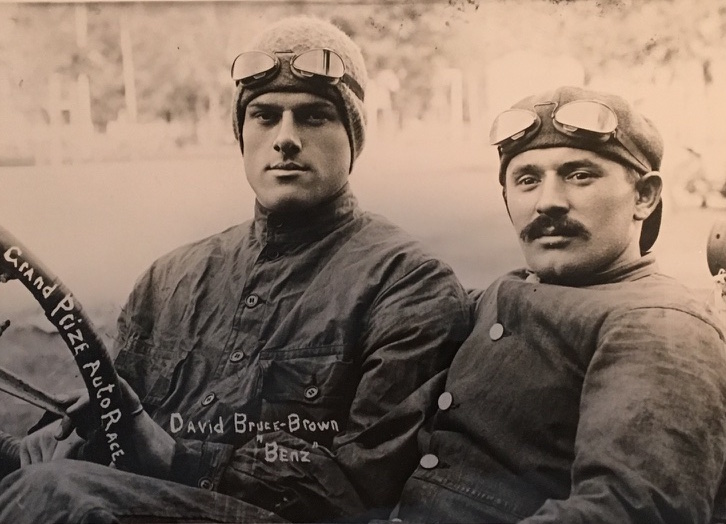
<point>94,362</point>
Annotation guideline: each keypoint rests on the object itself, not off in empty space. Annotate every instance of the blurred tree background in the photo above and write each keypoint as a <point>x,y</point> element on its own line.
<point>151,77</point>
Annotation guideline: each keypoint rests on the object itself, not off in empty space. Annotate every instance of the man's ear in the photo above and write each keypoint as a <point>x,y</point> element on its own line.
<point>649,188</point>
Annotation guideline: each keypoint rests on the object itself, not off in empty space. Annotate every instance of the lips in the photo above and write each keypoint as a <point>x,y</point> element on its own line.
<point>554,233</point>
<point>287,166</point>
<point>553,241</point>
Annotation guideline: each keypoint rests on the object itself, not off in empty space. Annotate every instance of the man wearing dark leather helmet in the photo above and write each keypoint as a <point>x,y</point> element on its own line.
<point>592,388</point>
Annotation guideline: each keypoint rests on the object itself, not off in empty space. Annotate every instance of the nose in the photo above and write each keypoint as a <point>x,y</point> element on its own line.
<point>552,199</point>
<point>287,140</point>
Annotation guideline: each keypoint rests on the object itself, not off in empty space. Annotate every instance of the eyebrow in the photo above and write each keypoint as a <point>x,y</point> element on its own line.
<point>318,104</point>
<point>565,167</point>
<point>574,164</point>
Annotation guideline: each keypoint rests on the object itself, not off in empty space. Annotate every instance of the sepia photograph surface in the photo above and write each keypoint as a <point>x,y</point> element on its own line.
<point>117,142</point>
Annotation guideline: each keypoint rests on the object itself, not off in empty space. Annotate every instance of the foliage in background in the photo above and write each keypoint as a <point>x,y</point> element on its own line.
<point>182,52</point>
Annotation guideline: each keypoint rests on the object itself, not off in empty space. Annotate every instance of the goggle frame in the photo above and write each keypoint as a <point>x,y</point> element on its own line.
<point>328,58</point>
<point>531,123</point>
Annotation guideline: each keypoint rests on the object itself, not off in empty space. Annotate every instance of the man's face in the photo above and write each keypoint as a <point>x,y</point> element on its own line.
<point>297,153</point>
<point>574,212</point>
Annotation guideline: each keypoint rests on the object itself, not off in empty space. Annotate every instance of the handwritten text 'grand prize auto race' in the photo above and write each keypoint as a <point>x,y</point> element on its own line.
<point>68,319</point>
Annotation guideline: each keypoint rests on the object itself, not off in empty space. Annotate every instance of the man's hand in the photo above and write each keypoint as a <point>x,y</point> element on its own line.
<point>45,445</point>
<point>151,448</point>
<point>58,439</point>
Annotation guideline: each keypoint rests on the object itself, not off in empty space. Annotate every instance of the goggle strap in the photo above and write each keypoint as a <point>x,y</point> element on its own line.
<point>633,150</point>
<point>346,79</point>
<point>354,86</point>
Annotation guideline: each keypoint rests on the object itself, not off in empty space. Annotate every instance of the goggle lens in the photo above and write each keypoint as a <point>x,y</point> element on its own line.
<point>251,66</point>
<point>587,115</point>
<point>511,125</point>
<point>588,118</point>
<point>319,62</point>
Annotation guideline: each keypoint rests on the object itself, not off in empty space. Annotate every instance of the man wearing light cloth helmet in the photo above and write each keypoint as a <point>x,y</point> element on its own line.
<point>592,387</point>
<point>286,364</point>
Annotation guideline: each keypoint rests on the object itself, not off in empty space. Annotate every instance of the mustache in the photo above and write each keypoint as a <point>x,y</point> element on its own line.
<point>545,225</point>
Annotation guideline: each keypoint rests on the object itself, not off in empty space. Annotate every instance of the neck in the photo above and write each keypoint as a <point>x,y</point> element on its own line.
<point>305,225</point>
<point>619,272</point>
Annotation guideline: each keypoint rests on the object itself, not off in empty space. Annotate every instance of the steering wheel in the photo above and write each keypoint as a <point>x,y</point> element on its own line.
<point>64,311</point>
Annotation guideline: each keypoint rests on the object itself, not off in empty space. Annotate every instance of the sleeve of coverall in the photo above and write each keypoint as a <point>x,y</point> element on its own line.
<point>651,440</point>
<point>195,463</point>
<point>411,334</point>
